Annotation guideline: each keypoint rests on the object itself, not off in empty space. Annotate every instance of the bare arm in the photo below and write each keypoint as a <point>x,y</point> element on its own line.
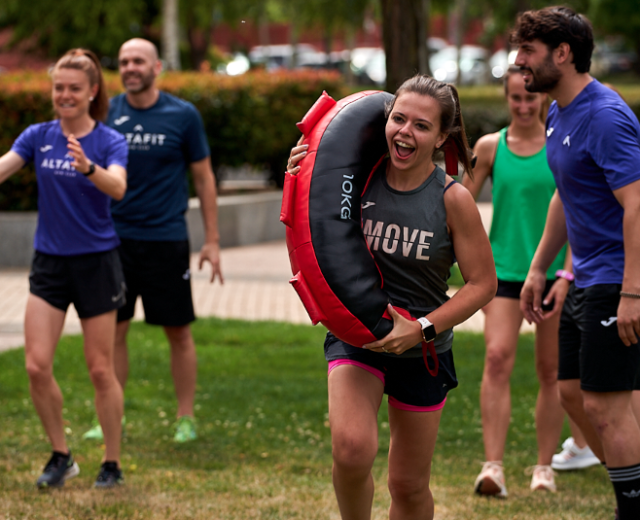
<point>10,163</point>
<point>629,308</point>
<point>111,180</point>
<point>553,238</point>
<point>485,151</point>
<point>204,182</point>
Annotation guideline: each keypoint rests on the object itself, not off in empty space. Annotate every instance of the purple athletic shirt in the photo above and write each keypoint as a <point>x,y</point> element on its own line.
<point>74,216</point>
<point>593,148</point>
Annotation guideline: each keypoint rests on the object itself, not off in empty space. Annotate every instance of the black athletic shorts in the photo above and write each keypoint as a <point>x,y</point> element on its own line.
<point>512,289</point>
<point>406,380</point>
<point>159,273</point>
<point>590,348</point>
<point>94,283</point>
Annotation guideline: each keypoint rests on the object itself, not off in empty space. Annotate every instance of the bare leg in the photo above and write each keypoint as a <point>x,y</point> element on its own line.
<point>502,325</point>
<point>354,400</point>
<point>184,366</point>
<point>576,433</point>
<point>549,412</point>
<point>42,328</point>
<point>99,337</point>
<point>616,426</point>
<point>413,440</point>
<point>635,404</point>
<point>121,353</point>
<point>571,399</point>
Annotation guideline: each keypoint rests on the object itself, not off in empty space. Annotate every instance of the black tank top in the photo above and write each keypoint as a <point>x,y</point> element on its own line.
<point>408,237</point>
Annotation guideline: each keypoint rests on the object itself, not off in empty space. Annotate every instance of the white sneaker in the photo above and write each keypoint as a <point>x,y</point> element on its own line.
<point>491,480</point>
<point>542,479</point>
<point>572,457</point>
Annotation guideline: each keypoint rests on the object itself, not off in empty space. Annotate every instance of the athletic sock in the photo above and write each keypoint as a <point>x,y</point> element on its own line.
<point>626,483</point>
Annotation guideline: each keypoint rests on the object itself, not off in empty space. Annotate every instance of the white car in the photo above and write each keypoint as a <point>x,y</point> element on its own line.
<point>474,67</point>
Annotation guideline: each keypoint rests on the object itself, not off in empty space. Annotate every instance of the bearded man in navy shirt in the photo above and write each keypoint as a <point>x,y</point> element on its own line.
<point>593,150</point>
<point>166,138</point>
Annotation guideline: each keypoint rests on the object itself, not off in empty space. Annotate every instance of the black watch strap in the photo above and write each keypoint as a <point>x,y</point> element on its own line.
<point>92,170</point>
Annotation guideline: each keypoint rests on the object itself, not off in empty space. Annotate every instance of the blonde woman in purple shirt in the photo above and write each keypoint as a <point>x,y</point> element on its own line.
<point>80,166</point>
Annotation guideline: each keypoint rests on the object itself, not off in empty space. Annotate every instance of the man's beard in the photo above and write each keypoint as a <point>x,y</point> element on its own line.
<point>545,78</point>
<point>145,83</point>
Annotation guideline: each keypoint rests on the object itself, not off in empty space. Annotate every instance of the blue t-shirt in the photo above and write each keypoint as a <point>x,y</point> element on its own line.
<point>593,148</point>
<point>163,140</point>
<point>73,215</point>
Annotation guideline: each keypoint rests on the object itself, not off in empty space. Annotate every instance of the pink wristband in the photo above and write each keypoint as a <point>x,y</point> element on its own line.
<point>562,273</point>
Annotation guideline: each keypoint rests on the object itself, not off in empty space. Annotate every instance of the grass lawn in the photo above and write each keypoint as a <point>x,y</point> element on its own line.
<point>264,450</point>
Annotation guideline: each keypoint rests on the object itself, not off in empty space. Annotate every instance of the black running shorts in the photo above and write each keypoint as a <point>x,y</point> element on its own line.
<point>590,348</point>
<point>159,273</point>
<point>94,283</point>
<point>512,289</point>
<point>406,380</point>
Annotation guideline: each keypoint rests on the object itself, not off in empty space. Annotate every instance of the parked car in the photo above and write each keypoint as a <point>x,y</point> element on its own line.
<point>500,61</point>
<point>274,57</point>
<point>474,66</point>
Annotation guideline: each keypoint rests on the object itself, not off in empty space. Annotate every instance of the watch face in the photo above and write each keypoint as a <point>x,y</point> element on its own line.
<point>430,333</point>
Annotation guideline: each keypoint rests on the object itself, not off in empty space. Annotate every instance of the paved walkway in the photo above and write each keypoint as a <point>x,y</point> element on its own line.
<point>256,288</point>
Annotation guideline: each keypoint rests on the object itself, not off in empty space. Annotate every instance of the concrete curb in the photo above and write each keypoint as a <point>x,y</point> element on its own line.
<point>242,220</point>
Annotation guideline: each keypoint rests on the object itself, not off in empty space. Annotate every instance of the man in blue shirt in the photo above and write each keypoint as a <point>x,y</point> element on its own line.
<point>166,138</point>
<point>593,149</point>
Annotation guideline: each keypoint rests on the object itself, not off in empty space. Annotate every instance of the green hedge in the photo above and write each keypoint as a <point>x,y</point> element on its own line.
<point>248,119</point>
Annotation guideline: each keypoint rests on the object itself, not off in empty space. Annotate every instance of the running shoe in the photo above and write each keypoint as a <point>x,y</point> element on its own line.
<point>572,457</point>
<point>542,479</point>
<point>185,429</point>
<point>109,476</point>
<point>95,433</point>
<point>59,468</point>
<point>490,482</point>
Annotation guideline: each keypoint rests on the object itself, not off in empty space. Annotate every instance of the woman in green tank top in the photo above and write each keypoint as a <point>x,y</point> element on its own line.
<point>523,185</point>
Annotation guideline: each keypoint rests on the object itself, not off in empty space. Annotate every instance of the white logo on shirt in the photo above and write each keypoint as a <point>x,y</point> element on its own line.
<point>549,132</point>
<point>46,148</point>
<point>392,236</point>
<point>368,204</point>
<point>567,141</point>
<point>608,322</point>
<point>138,128</point>
<point>633,494</point>
<point>121,120</point>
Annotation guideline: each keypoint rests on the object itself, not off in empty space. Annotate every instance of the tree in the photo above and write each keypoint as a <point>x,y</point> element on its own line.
<point>170,35</point>
<point>55,27</point>
<point>405,40</point>
<point>615,16</point>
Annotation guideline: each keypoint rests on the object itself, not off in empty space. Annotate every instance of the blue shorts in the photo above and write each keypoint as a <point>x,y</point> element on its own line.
<point>406,380</point>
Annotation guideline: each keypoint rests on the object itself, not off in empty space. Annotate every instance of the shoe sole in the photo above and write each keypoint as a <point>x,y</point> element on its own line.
<point>578,464</point>
<point>71,472</point>
<point>487,487</point>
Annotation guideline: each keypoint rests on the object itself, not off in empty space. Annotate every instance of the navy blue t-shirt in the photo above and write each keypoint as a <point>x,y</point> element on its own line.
<point>593,148</point>
<point>73,215</point>
<point>163,140</point>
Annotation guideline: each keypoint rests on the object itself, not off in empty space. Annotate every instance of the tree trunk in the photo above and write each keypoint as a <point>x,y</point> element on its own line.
<point>403,27</point>
<point>170,37</point>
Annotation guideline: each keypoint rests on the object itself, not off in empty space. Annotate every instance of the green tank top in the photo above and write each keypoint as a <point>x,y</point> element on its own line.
<point>522,189</point>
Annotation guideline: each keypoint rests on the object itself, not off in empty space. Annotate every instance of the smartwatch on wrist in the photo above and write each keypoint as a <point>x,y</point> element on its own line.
<point>92,170</point>
<point>428,330</point>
